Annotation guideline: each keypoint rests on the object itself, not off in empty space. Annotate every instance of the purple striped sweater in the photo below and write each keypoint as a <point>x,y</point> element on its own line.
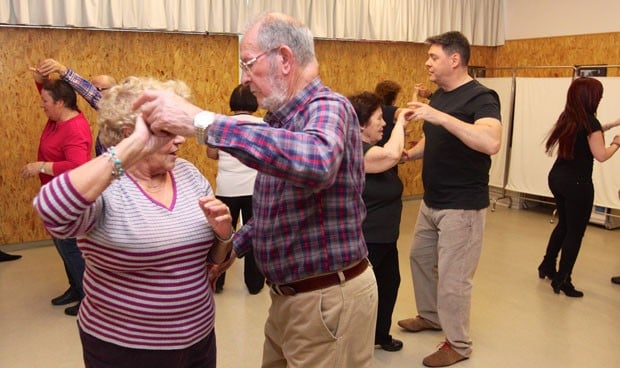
<point>146,278</point>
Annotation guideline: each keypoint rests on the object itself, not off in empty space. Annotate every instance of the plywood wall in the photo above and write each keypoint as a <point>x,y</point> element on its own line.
<point>591,49</point>
<point>209,65</point>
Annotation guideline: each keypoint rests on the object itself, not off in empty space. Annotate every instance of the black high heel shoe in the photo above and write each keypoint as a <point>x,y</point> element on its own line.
<point>567,287</point>
<point>5,257</point>
<point>545,271</point>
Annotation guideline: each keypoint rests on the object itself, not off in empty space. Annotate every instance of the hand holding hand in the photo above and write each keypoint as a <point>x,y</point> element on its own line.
<point>404,116</point>
<point>167,113</point>
<point>215,270</point>
<point>48,66</point>
<point>147,140</point>
<point>404,156</point>
<point>38,77</point>
<point>422,111</point>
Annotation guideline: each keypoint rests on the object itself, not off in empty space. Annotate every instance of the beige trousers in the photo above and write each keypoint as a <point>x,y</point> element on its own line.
<point>444,255</point>
<point>331,327</point>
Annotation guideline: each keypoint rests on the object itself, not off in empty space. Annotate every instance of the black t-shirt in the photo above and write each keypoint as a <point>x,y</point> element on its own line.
<point>454,175</point>
<point>382,196</point>
<point>580,167</point>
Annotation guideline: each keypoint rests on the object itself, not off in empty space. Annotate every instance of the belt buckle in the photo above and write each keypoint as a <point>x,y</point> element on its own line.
<point>283,290</point>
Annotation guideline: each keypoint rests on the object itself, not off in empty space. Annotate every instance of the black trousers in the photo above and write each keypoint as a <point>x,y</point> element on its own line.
<point>574,205</point>
<point>384,260</point>
<point>102,354</point>
<point>254,279</point>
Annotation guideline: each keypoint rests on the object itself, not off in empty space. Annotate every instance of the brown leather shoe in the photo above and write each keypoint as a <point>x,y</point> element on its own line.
<point>418,324</point>
<point>443,357</point>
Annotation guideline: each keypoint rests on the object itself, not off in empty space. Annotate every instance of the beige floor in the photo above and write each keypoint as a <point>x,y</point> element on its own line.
<point>517,321</point>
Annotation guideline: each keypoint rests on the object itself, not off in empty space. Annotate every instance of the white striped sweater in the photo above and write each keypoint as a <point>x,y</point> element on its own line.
<point>146,278</point>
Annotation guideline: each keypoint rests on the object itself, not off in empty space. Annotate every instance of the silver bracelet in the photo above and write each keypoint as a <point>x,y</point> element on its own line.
<point>225,241</point>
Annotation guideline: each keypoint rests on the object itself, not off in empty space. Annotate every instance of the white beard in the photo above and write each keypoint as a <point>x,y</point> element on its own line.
<point>278,92</point>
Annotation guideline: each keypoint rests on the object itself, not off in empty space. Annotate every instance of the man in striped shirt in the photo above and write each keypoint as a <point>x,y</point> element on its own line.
<point>306,230</point>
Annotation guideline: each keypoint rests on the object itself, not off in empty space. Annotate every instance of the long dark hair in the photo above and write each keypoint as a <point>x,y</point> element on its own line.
<point>582,99</point>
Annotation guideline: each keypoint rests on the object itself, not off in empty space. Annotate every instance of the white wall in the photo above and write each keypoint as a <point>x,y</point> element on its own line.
<point>550,18</point>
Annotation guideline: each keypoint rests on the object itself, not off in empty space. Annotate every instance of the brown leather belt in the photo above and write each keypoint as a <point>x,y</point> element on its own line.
<point>319,282</point>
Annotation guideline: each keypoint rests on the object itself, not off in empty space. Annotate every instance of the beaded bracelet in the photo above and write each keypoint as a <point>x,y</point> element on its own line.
<point>117,168</point>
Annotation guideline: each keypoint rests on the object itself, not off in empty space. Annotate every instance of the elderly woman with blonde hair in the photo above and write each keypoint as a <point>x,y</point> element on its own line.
<point>147,223</point>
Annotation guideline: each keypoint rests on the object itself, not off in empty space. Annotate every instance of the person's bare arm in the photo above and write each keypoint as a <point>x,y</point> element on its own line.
<point>484,135</point>
<point>601,153</point>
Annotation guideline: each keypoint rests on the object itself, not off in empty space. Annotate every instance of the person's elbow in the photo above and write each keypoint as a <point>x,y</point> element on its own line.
<point>393,157</point>
<point>322,179</point>
<point>492,141</point>
<point>494,147</point>
<point>601,156</point>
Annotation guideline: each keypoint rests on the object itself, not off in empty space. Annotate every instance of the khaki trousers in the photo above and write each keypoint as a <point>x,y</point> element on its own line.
<point>331,327</point>
<point>444,255</point>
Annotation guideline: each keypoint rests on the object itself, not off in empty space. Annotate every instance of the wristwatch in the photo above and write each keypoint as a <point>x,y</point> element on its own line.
<point>202,120</point>
<point>42,168</point>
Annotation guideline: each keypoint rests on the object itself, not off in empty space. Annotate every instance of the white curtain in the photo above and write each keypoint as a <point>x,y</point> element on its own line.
<point>482,21</point>
<point>503,87</point>
<point>538,103</point>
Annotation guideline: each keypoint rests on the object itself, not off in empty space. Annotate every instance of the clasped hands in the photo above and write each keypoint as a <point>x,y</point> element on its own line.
<point>167,113</point>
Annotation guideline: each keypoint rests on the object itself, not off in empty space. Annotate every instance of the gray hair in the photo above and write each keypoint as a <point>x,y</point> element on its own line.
<point>275,29</point>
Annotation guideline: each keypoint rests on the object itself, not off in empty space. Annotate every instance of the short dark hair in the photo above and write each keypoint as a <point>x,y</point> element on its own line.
<point>452,42</point>
<point>365,104</point>
<point>388,90</point>
<point>60,90</point>
<point>242,99</point>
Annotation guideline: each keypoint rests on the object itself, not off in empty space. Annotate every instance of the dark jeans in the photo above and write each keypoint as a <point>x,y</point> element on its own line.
<point>73,262</point>
<point>384,260</point>
<point>574,205</point>
<point>254,279</point>
<point>102,354</point>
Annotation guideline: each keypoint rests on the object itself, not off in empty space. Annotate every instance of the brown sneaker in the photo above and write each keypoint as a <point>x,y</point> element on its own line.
<point>418,324</point>
<point>443,357</point>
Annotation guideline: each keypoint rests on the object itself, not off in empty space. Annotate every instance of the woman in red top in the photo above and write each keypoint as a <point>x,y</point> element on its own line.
<point>66,142</point>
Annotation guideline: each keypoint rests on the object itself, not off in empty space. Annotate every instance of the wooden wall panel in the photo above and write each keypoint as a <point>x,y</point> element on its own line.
<point>591,49</point>
<point>208,64</point>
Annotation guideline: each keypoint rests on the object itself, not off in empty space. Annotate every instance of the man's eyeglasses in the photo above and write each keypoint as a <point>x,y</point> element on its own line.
<point>101,89</point>
<point>246,65</point>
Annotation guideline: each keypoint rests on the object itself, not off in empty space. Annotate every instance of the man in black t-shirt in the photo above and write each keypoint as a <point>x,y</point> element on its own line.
<point>461,130</point>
